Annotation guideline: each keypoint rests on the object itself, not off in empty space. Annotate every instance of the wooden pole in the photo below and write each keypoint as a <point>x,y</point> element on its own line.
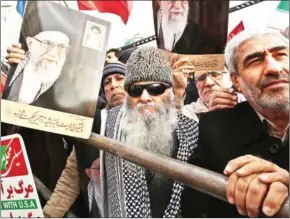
<point>206,181</point>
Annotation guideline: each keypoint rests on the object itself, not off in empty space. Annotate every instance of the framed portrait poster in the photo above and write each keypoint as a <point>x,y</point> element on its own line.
<point>55,88</point>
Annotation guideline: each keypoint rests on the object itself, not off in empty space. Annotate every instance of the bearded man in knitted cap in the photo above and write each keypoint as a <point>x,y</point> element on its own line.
<point>148,120</point>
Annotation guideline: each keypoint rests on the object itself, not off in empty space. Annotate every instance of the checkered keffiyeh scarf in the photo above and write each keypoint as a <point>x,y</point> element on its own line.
<point>44,87</point>
<point>91,193</point>
<point>128,194</point>
<point>19,69</point>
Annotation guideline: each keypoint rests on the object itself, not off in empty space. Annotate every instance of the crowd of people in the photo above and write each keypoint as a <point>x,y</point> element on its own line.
<point>238,126</point>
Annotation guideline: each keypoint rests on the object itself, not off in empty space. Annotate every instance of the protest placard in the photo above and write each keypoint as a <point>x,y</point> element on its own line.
<point>19,196</point>
<point>61,72</point>
<point>193,35</point>
<point>191,27</point>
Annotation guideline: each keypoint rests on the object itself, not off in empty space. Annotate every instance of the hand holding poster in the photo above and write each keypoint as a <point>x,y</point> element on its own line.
<point>192,30</point>
<point>19,197</point>
<point>58,81</point>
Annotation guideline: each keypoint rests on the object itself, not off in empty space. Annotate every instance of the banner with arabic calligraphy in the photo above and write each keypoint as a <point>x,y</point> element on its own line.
<point>193,36</point>
<point>19,197</point>
<point>61,71</point>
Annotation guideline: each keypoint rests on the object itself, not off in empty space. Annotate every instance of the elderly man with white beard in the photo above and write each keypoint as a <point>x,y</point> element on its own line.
<point>172,20</point>
<point>178,32</point>
<point>147,120</point>
<point>40,68</point>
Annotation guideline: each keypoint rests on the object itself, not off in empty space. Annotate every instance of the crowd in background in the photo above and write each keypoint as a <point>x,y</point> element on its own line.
<point>234,122</point>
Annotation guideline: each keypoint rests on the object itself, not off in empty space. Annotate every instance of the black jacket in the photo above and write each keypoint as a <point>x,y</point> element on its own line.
<point>85,156</point>
<point>223,136</point>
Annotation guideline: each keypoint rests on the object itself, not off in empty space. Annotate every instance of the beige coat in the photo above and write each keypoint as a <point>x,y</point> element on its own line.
<point>66,190</point>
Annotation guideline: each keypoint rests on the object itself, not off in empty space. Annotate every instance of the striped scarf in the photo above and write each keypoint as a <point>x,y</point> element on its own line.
<point>125,182</point>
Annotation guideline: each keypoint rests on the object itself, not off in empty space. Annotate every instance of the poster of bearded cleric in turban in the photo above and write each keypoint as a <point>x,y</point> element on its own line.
<point>55,88</point>
<point>191,27</point>
<point>193,34</point>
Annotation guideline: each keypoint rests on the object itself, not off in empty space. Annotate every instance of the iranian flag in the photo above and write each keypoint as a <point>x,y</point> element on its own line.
<point>240,27</point>
<point>279,19</point>
<point>121,8</point>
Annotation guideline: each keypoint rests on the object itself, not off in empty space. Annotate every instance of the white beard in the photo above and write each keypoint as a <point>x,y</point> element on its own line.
<point>177,25</point>
<point>172,28</point>
<point>34,76</point>
<point>153,132</point>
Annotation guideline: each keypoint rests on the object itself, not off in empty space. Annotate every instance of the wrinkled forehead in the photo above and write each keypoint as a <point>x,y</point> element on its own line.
<point>53,36</point>
<point>113,75</point>
<point>260,44</point>
<point>199,73</point>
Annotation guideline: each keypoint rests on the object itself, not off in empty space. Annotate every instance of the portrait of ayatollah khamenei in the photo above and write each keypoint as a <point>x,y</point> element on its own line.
<point>55,87</point>
<point>191,27</point>
<point>193,35</point>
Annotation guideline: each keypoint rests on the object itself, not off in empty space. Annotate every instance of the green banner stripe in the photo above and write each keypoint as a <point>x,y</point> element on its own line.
<point>282,11</point>
<point>283,6</point>
<point>19,204</point>
<point>3,157</point>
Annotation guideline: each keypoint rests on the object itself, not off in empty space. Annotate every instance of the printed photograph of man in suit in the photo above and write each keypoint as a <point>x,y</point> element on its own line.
<point>41,66</point>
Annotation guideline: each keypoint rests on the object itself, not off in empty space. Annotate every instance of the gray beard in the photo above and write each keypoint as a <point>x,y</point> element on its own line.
<point>33,78</point>
<point>278,102</point>
<point>172,28</point>
<point>154,132</point>
<point>49,73</point>
<point>176,26</point>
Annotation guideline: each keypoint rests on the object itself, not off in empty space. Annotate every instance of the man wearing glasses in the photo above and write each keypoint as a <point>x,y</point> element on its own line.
<point>148,120</point>
<point>215,92</point>
<point>40,68</point>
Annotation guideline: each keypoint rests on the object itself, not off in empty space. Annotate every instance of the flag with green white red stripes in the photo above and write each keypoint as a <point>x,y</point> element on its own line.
<point>279,19</point>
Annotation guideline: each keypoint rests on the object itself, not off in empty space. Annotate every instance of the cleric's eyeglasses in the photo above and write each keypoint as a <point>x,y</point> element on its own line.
<point>214,75</point>
<point>154,89</point>
<point>48,45</point>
